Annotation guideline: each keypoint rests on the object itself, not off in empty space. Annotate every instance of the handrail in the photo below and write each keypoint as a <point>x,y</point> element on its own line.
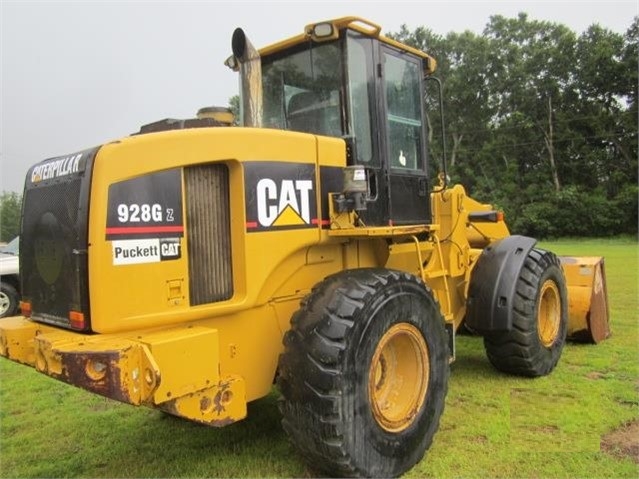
<point>444,182</point>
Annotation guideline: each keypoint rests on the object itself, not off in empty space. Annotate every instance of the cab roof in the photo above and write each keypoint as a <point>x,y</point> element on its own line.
<point>329,30</point>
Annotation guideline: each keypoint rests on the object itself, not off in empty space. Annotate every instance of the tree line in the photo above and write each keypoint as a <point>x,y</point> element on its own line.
<point>10,208</point>
<point>540,121</point>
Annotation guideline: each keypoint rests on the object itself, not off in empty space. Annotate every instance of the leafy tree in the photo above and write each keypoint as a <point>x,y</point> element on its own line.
<point>234,106</point>
<point>10,210</point>
<point>542,122</point>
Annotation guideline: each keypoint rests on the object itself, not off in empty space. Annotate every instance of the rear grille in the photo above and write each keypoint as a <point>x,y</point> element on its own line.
<point>53,241</point>
<point>49,265</point>
<point>208,233</point>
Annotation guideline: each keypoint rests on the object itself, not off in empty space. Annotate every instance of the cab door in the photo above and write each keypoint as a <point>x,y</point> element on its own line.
<point>404,137</point>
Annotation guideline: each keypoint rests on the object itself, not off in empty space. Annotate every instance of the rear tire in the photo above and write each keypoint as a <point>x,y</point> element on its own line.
<point>9,299</point>
<point>540,317</point>
<point>364,374</point>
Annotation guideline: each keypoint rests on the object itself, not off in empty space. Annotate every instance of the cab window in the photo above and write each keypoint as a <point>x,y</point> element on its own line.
<point>361,91</point>
<point>403,112</point>
<point>302,90</point>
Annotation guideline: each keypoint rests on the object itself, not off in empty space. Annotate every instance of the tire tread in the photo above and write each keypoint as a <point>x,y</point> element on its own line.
<point>519,351</point>
<point>315,347</point>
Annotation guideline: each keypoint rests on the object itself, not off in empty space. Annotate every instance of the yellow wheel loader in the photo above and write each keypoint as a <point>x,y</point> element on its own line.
<point>192,265</point>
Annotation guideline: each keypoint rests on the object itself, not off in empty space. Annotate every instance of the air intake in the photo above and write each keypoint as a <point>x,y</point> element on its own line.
<point>208,233</point>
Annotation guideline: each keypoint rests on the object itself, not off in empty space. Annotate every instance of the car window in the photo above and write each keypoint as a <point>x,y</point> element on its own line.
<point>12,247</point>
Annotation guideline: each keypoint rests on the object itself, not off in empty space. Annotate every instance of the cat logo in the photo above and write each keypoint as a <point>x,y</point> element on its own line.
<point>283,205</point>
<point>280,196</point>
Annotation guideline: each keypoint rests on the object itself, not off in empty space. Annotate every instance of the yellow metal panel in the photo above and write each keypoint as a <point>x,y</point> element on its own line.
<point>406,256</point>
<point>145,367</point>
<point>588,314</point>
<point>16,339</point>
<point>115,367</point>
<point>323,254</point>
<point>117,308</point>
<point>187,359</point>
<point>379,231</point>
<point>218,405</point>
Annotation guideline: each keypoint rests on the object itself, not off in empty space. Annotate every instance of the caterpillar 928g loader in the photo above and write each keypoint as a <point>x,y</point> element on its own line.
<point>192,265</point>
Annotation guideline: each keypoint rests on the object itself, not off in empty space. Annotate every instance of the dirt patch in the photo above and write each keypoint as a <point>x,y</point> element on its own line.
<point>544,429</point>
<point>448,427</point>
<point>481,439</point>
<point>623,441</point>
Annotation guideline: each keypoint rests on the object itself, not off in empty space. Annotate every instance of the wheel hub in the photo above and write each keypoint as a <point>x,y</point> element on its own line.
<point>398,377</point>
<point>5,302</point>
<point>548,313</point>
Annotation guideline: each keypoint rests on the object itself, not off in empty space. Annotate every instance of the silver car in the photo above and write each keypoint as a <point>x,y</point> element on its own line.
<point>9,280</point>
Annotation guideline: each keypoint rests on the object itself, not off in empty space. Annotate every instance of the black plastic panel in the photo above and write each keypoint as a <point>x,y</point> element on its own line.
<point>492,284</point>
<point>53,239</point>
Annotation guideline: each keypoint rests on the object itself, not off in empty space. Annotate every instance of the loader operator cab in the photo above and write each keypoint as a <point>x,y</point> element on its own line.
<point>342,79</point>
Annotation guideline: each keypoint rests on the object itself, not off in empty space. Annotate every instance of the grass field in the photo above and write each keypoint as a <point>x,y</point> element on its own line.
<point>568,424</point>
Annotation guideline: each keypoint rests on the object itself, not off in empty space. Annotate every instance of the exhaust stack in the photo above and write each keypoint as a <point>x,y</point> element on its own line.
<point>247,60</point>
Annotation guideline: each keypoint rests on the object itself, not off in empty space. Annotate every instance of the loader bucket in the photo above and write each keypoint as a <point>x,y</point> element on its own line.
<point>587,298</point>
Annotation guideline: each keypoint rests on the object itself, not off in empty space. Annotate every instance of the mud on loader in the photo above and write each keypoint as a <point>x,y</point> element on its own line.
<point>190,266</point>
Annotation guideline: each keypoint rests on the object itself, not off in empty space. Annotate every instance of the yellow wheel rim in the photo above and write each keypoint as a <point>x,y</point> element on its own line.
<point>548,313</point>
<point>398,377</point>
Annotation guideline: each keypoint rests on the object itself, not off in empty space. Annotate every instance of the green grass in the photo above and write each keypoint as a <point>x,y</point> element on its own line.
<point>494,425</point>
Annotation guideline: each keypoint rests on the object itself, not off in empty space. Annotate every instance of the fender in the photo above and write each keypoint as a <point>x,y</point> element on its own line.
<point>492,284</point>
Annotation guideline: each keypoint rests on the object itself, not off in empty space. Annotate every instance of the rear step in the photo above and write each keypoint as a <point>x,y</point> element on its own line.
<point>175,369</point>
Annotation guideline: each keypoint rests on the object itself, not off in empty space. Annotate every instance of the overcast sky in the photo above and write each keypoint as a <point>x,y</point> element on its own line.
<point>78,74</point>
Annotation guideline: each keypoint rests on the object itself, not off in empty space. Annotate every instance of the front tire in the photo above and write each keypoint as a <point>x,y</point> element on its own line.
<point>364,374</point>
<point>534,344</point>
